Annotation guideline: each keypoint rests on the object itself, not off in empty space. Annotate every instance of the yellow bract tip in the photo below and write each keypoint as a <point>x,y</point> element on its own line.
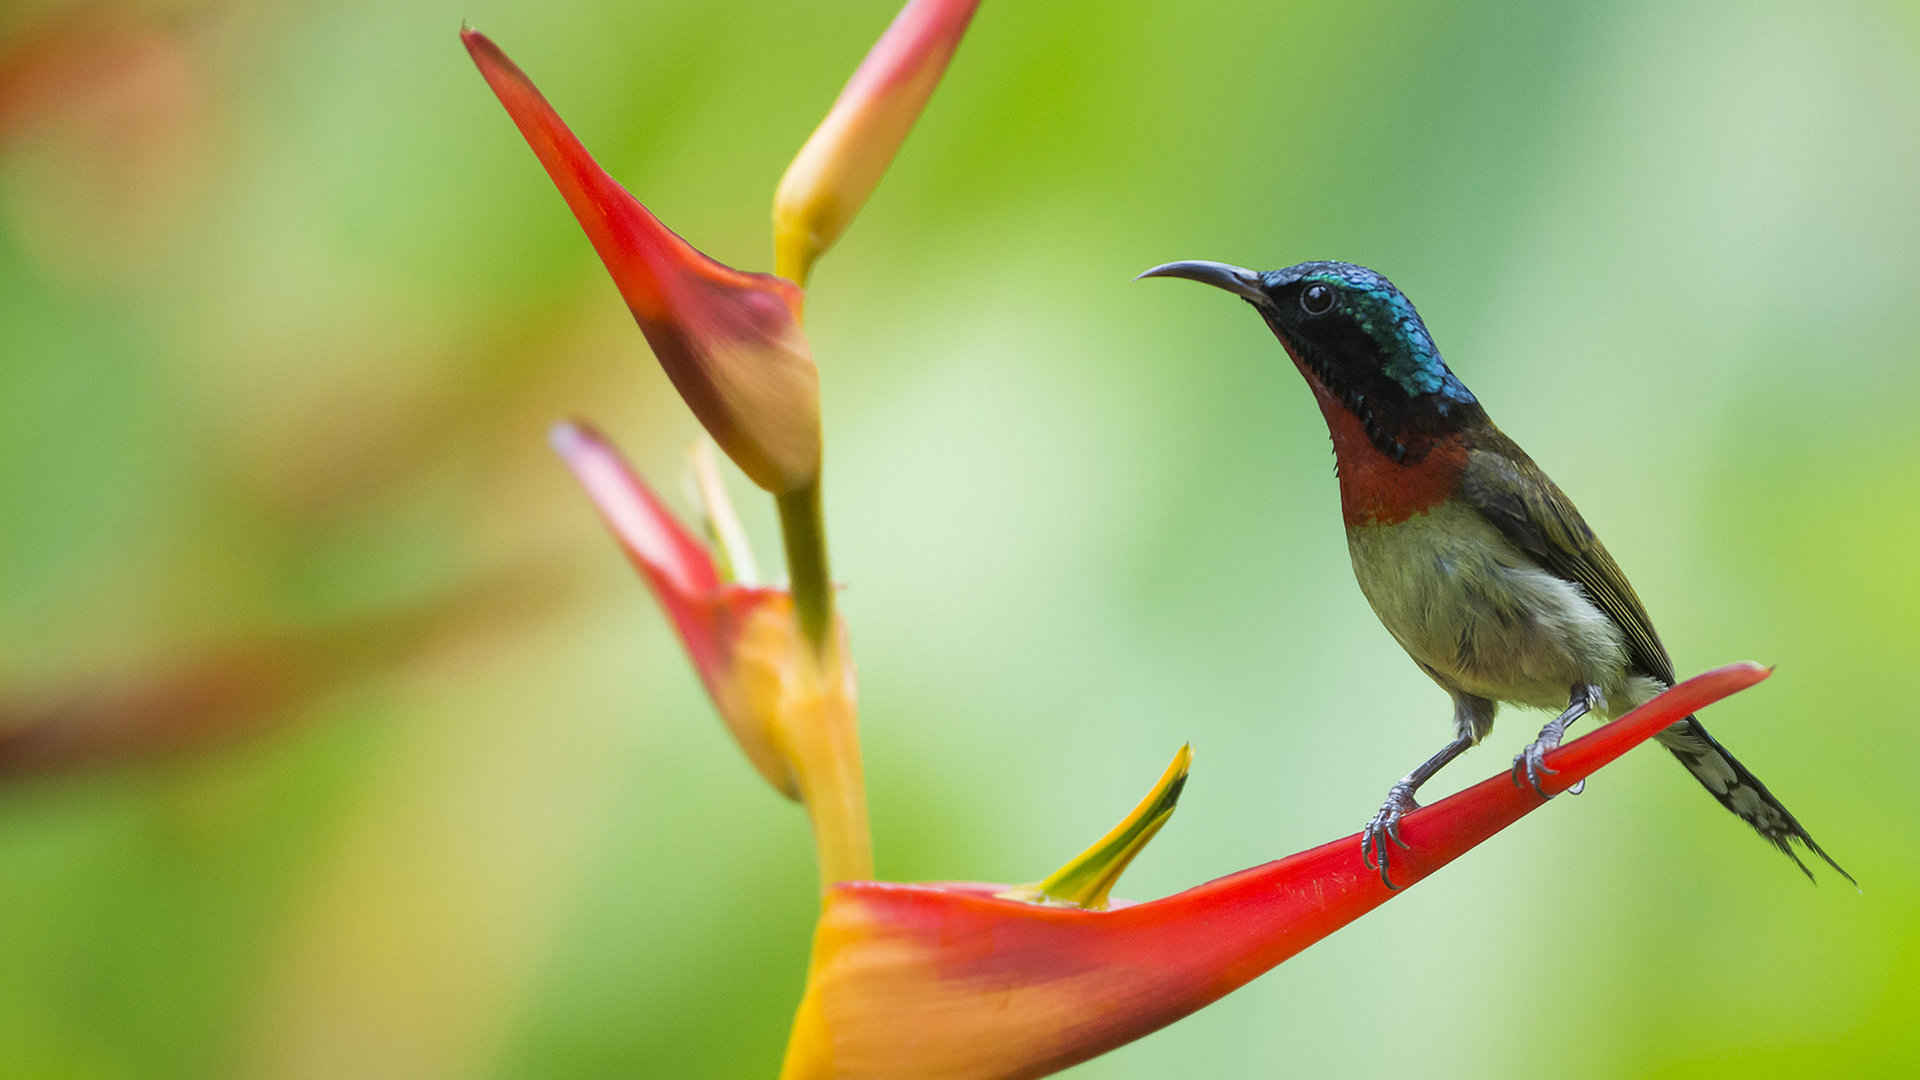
<point>1087,878</point>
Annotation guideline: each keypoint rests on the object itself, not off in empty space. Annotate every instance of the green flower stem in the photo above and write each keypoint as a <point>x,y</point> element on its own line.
<point>803,529</point>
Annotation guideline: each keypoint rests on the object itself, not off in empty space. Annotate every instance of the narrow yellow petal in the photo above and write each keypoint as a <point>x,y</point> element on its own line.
<point>1087,879</point>
<point>733,557</point>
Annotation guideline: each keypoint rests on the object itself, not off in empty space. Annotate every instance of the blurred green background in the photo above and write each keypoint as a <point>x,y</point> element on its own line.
<point>341,741</point>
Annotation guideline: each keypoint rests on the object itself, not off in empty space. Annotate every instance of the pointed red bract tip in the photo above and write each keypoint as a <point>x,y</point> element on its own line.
<point>729,340</point>
<point>659,546</point>
<point>922,37</point>
<point>676,565</point>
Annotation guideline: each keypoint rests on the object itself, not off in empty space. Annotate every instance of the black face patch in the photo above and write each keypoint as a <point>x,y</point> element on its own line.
<point>1364,341</point>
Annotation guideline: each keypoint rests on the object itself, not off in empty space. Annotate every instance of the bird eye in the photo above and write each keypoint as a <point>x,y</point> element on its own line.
<point>1316,300</point>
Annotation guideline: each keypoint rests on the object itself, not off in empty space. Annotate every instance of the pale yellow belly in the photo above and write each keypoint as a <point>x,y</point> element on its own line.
<point>1480,615</point>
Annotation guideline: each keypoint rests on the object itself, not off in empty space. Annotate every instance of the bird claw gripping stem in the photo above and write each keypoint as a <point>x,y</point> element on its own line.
<point>1385,826</point>
<point>1532,762</point>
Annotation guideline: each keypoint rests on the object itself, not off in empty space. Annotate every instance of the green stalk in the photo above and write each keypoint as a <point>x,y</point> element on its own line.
<point>803,529</point>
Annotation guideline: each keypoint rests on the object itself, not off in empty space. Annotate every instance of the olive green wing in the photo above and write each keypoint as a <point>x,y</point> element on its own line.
<point>1504,485</point>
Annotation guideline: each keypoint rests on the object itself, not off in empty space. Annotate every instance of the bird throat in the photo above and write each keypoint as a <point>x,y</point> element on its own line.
<point>1389,470</point>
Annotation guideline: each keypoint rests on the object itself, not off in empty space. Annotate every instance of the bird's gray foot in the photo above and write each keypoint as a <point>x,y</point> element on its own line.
<point>1532,762</point>
<point>1386,826</point>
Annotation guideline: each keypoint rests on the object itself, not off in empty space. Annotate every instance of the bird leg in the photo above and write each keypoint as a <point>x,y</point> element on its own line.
<point>1386,823</point>
<point>1532,763</point>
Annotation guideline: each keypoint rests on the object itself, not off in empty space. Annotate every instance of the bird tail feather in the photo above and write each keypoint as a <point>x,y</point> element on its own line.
<point>1740,791</point>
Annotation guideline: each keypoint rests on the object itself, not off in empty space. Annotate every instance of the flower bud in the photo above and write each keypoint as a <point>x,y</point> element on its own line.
<point>841,162</point>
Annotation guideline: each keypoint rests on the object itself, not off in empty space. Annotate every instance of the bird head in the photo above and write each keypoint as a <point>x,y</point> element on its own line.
<point>1357,338</point>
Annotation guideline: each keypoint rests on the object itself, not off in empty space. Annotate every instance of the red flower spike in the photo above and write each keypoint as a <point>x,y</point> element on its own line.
<point>710,615</point>
<point>730,340</point>
<point>950,981</point>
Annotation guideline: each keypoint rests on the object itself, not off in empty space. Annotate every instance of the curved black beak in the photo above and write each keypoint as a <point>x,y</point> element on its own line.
<point>1237,280</point>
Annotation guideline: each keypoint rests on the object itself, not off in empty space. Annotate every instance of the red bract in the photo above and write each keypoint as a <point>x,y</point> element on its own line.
<point>710,615</point>
<point>790,706</point>
<point>730,340</point>
<point>950,981</point>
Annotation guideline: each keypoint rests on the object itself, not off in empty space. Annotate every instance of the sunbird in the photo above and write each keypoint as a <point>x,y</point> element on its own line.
<point>1474,560</point>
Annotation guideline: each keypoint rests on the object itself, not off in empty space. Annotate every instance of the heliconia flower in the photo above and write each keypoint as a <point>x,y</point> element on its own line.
<point>953,980</point>
<point>731,341</point>
<point>846,155</point>
<point>790,708</point>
